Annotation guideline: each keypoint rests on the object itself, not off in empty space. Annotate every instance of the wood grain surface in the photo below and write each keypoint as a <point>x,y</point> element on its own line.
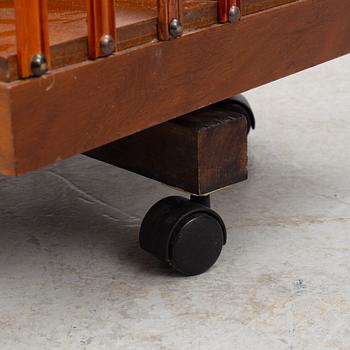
<point>136,25</point>
<point>101,20</point>
<point>200,152</point>
<point>223,10</point>
<point>32,35</point>
<point>252,6</point>
<point>7,156</point>
<point>167,11</point>
<point>85,106</point>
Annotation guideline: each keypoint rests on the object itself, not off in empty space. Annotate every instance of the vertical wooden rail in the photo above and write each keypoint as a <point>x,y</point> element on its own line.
<point>32,37</point>
<point>101,27</point>
<point>170,19</point>
<point>224,7</point>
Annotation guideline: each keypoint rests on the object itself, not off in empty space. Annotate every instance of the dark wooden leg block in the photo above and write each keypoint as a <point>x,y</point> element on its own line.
<point>200,152</point>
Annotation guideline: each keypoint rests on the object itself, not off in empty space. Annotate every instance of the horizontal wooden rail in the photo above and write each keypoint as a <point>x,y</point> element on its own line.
<point>33,51</point>
<point>101,27</point>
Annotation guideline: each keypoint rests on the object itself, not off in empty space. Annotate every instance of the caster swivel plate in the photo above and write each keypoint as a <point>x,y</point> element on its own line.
<point>183,233</point>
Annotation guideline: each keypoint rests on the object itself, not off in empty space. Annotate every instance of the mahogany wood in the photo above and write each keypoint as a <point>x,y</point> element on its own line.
<point>167,11</point>
<point>84,106</point>
<point>7,156</point>
<point>136,25</point>
<point>31,33</point>
<point>253,6</point>
<point>101,21</point>
<point>200,152</point>
<point>223,9</point>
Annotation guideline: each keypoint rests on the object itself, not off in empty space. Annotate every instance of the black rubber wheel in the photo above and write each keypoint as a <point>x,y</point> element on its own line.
<point>185,234</point>
<point>240,105</point>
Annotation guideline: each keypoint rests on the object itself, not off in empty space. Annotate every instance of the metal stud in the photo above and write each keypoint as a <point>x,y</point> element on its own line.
<point>39,65</point>
<point>234,14</point>
<point>107,44</point>
<point>176,28</point>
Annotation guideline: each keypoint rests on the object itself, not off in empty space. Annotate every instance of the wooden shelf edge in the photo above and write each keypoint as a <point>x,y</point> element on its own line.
<point>131,35</point>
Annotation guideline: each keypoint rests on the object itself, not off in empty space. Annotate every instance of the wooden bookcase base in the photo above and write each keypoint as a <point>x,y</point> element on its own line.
<point>83,106</point>
<point>200,152</point>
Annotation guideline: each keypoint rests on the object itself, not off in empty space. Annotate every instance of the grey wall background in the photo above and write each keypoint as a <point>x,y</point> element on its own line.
<point>73,277</point>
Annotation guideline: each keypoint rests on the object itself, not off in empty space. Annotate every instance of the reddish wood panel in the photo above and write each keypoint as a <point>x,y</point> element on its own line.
<point>136,25</point>
<point>167,11</point>
<point>85,106</point>
<point>252,6</point>
<point>101,22</point>
<point>223,9</point>
<point>7,156</point>
<point>31,33</point>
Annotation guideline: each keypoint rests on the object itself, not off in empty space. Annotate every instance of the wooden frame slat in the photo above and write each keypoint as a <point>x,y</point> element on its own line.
<point>31,33</point>
<point>73,49</point>
<point>168,10</point>
<point>101,27</point>
<point>223,10</point>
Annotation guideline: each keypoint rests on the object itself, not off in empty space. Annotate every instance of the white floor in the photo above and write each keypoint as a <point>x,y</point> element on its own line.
<point>73,277</point>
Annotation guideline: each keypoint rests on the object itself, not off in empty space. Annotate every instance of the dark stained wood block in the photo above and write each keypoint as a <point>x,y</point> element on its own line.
<point>200,152</point>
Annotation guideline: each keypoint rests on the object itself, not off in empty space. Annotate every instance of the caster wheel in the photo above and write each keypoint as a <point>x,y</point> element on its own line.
<point>241,105</point>
<point>185,234</point>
